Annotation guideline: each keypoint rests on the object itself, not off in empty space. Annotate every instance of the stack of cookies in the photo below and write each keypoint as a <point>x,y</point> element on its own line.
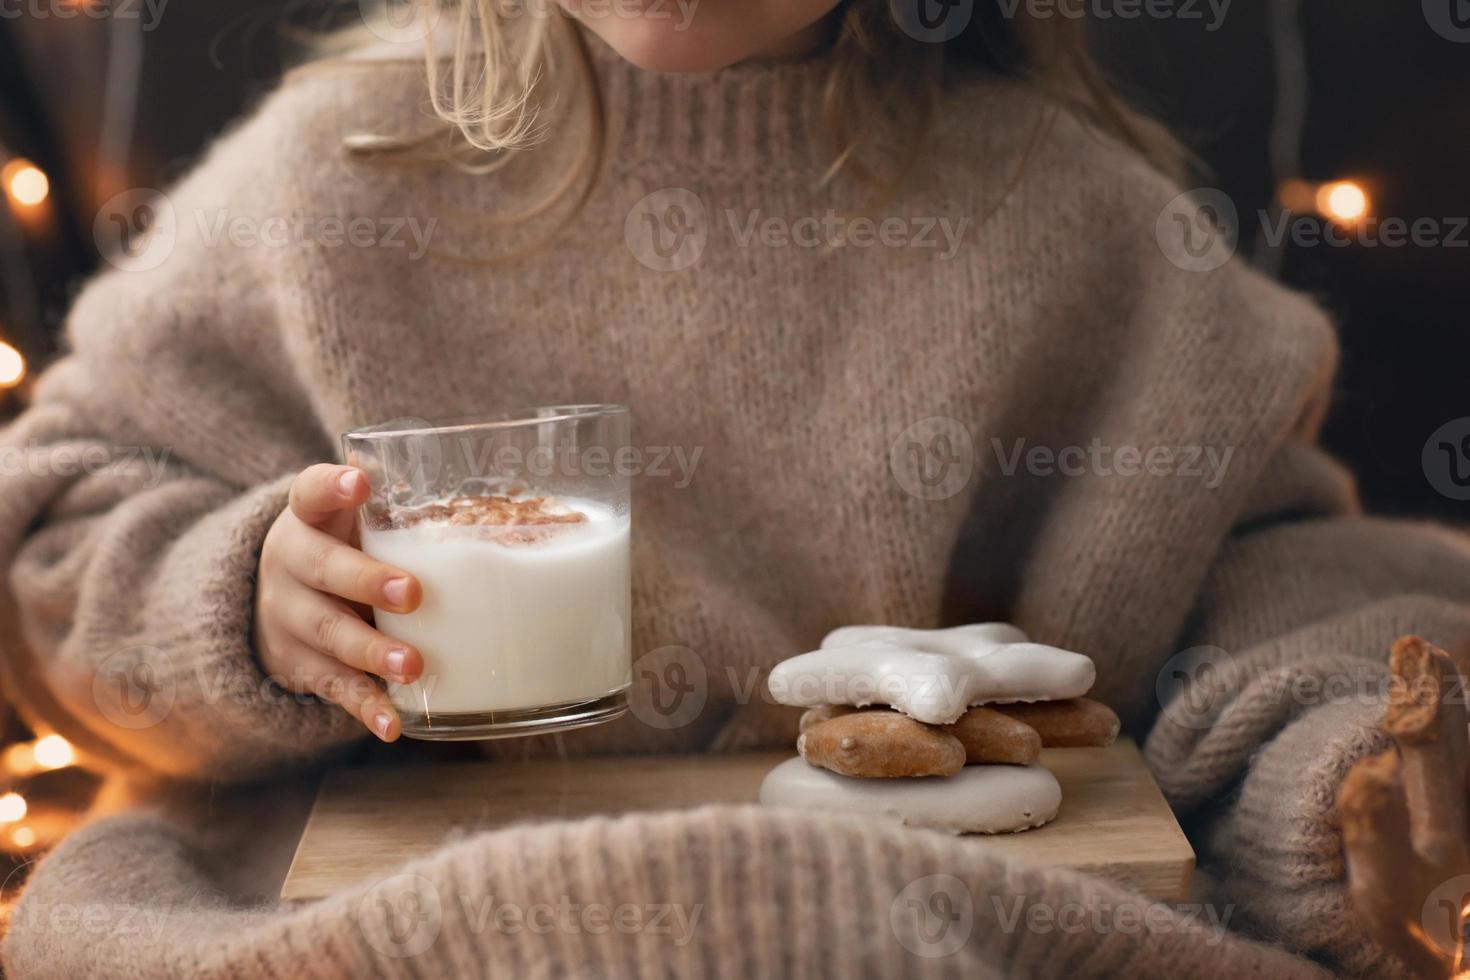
<point>962,717</point>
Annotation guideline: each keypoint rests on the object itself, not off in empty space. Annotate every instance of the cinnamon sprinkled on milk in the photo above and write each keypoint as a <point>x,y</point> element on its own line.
<point>537,519</point>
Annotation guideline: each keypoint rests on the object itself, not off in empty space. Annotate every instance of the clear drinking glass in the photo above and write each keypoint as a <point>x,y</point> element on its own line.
<point>517,526</point>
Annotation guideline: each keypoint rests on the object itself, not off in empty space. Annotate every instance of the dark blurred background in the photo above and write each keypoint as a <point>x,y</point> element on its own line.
<point>1279,98</point>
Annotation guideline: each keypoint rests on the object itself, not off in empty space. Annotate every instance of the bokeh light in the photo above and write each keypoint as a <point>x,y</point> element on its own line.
<point>12,808</point>
<point>1343,201</point>
<point>53,752</point>
<point>12,366</point>
<point>25,184</point>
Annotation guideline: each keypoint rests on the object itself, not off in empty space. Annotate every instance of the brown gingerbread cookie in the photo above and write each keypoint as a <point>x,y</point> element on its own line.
<point>1071,724</point>
<point>880,744</point>
<point>990,737</point>
<point>824,712</point>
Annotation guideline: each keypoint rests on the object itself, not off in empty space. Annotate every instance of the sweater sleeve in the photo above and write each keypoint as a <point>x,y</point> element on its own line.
<point>1280,689</point>
<point>140,484</point>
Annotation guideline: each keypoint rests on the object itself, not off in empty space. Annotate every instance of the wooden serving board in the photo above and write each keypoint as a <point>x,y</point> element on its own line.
<point>367,821</point>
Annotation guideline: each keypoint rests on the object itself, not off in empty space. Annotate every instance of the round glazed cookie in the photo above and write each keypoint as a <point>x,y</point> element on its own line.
<point>975,800</point>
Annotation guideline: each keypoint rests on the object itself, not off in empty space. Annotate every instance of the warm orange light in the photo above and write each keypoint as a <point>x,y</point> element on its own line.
<point>1342,200</point>
<point>19,759</point>
<point>1297,195</point>
<point>23,836</point>
<point>12,366</point>
<point>53,752</point>
<point>25,184</point>
<point>12,808</point>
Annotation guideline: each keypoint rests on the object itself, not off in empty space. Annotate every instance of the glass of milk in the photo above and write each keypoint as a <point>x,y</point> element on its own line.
<point>517,527</point>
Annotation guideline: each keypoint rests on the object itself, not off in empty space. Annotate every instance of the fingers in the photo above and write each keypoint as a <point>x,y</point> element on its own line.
<point>327,626</point>
<point>334,682</point>
<point>320,561</point>
<point>322,492</point>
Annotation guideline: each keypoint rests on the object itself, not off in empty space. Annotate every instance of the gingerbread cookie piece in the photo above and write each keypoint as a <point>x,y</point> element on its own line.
<point>975,800</point>
<point>881,745</point>
<point>823,712</point>
<point>990,736</point>
<point>1071,724</point>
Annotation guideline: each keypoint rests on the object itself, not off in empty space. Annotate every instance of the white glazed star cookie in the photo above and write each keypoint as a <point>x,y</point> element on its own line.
<point>932,676</point>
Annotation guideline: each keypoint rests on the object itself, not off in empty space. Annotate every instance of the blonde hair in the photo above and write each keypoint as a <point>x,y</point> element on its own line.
<point>494,67</point>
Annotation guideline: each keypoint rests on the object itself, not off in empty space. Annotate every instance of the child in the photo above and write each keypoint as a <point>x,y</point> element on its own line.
<point>911,290</point>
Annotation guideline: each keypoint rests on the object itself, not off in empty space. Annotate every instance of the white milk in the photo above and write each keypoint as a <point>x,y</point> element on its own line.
<point>510,627</point>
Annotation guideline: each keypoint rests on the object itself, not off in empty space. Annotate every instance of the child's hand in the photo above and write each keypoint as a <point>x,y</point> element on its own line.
<point>313,599</point>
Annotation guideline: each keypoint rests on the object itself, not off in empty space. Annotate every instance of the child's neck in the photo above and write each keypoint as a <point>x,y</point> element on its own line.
<point>807,41</point>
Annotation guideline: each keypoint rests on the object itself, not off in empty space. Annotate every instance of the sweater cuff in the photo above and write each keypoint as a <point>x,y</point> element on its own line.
<point>211,712</point>
<point>1279,850</point>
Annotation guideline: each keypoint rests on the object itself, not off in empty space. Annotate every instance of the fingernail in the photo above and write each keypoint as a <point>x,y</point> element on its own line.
<point>396,660</point>
<point>395,590</point>
<point>347,483</point>
<point>381,721</point>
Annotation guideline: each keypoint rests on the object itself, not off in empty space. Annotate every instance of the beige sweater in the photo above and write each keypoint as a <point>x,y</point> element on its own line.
<point>801,375</point>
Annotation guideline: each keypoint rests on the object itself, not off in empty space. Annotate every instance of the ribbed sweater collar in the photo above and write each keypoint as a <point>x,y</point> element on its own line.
<point>751,115</point>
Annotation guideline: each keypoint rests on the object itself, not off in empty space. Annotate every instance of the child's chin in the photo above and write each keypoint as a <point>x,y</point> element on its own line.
<point>656,47</point>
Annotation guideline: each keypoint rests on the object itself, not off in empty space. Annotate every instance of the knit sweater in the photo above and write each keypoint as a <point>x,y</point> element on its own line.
<point>1017,424</point>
